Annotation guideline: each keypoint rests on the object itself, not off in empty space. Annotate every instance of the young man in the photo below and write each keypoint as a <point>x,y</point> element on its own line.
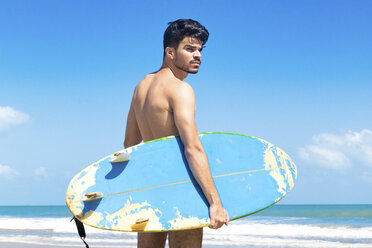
<point>163,105</point>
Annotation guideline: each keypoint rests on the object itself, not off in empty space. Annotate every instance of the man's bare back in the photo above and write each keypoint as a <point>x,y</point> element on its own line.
<point>152,107</point>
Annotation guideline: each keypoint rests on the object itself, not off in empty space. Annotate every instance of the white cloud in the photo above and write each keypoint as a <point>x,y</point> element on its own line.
<point>10,117</point>
<point>7,171</point>
<point>339,151</point>
<point>41,171</point>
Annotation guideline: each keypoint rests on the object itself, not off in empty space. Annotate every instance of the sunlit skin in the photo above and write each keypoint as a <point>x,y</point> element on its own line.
<point>188,55</point>
<point>185,59</point>
<point>164,105</point>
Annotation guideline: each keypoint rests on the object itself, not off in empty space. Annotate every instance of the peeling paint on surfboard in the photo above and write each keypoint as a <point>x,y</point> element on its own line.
<point>130,213</point>
<point>275,160</point>
<point>182,222</point>
<point>250,174</point>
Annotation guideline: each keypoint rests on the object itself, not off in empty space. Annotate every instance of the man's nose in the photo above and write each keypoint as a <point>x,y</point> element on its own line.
<point>197,54</point>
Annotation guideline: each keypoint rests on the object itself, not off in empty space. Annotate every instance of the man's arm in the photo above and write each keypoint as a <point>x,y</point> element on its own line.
<point>132,132</point>
<point>183,105</point>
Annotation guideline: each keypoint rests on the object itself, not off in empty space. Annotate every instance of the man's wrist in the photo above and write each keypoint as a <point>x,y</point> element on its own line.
<point>214,200</point>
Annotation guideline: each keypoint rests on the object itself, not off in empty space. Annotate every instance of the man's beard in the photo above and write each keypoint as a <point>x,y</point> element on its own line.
<point>185,68</point>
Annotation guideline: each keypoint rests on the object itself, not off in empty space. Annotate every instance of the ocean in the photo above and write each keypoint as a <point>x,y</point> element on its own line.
<point>313,226</point>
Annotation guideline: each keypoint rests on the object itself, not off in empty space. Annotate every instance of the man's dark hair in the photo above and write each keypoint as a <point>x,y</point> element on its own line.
<point>182,28</point>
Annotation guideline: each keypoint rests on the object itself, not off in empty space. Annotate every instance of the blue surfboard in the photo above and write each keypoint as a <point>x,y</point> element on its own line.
<point>149,187</point>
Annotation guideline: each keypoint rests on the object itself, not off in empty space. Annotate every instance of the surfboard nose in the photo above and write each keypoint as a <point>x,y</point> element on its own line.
<point>293,171</point>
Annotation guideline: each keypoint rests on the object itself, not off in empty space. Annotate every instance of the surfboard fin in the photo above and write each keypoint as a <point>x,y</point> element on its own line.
<point>140,225</point>
<point>93,196</point>
<point>120,157</point>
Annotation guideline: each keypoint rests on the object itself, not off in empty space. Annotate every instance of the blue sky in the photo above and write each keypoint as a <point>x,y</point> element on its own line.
<point>295,73</point>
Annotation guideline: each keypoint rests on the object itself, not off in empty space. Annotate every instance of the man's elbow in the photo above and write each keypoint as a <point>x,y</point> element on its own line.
<point>192,151</point>
<point>132,141</point>
<point>127,143</point>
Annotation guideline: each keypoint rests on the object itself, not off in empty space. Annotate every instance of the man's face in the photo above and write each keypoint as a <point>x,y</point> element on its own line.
<point>188,55</point>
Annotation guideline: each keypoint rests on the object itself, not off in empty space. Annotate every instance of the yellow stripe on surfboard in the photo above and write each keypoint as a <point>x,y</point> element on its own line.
<point>170,184</point>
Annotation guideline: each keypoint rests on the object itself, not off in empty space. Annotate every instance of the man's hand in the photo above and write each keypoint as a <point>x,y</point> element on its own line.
<point>218,216</point>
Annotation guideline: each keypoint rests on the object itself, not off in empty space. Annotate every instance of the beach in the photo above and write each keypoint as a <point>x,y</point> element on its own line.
<point>312,226</point>
<point>23,245</point>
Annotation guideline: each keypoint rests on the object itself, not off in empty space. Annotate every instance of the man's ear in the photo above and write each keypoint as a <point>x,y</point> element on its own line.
<point>170,52</point>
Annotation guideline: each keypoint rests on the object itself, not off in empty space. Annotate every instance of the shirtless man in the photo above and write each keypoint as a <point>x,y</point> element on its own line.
<point>163,105</point>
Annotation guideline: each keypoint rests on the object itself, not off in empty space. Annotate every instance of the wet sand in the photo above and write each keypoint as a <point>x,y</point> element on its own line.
<point>24,245</point>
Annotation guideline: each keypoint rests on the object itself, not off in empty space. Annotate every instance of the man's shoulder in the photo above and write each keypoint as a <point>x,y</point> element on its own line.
<point>171,86</point>
<point>181,87</point>
<point>181,92</point>
<point>145,80</point>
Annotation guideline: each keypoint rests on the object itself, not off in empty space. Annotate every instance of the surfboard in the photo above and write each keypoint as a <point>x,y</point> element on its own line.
<point>149,187</point>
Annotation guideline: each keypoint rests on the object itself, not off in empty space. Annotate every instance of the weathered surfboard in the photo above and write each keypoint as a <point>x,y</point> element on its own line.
<point>155,191</point>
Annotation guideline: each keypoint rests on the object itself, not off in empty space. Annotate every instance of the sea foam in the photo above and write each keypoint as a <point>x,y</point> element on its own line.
<point>243,233</point>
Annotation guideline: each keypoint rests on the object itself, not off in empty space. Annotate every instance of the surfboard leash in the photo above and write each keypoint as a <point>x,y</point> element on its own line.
<point>81,230</point>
